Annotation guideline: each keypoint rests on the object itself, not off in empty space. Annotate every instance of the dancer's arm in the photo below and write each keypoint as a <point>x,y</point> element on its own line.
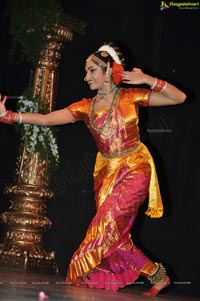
<point>58,117</point>
<point>169,94</point>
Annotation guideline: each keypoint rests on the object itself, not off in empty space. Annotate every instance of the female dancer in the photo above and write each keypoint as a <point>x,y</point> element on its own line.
<point>124,172</point>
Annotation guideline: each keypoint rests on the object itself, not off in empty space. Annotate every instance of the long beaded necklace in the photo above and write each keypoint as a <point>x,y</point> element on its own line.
<point>108,117</point>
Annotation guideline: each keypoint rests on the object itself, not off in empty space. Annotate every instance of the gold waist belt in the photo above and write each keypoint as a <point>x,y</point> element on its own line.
<point>119,153</point>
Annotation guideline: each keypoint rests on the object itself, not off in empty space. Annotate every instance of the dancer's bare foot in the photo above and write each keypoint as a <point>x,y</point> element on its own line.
<point>157,287</point>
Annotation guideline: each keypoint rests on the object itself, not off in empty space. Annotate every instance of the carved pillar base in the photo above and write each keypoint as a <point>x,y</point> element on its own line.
<point>25,223</point>
<point>34,261</point>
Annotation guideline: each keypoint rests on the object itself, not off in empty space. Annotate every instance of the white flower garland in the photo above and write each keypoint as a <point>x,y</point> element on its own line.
<point>37,137</point>
<point>111,51</point>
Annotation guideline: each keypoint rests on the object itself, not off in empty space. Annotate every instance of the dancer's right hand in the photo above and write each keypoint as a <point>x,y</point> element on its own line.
<point>2,104</point>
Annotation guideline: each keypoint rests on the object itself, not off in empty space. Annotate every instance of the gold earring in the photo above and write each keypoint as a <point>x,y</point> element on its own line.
<point>107,79</point>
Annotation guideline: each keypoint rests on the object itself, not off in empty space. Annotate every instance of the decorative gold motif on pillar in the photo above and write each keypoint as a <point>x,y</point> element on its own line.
<point>26,220</point>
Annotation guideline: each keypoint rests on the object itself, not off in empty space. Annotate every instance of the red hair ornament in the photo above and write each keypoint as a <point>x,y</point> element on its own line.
<point>117,70</point>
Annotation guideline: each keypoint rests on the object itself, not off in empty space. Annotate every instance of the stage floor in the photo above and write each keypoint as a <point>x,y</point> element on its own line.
<point>26,286</point>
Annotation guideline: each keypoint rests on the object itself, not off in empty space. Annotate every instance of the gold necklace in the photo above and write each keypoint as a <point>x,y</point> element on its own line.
<point>102,95</point>
<point>108,117</point>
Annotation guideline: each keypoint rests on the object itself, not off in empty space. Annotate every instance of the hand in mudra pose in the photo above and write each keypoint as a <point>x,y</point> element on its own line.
<point>135,77</point>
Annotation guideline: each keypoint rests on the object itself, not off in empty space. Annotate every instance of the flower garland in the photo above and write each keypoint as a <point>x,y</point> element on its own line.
<point>38,139</point>
<point>111,51</point>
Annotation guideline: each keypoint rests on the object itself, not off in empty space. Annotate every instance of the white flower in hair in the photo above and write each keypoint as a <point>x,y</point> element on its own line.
<point>111,51</point>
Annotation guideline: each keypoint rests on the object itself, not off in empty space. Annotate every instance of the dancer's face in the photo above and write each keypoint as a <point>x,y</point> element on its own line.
<point>95,75</point>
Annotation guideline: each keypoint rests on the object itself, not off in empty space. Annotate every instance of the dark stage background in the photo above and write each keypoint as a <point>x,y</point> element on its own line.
<point>162,43</point>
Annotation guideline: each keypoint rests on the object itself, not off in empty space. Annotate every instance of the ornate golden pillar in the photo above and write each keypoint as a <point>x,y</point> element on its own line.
<point>26,221</point>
